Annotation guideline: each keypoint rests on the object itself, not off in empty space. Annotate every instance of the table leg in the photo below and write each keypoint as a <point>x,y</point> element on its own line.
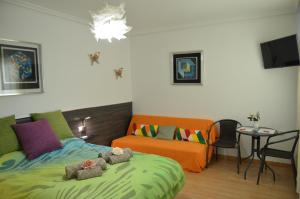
<point>251,156</point>
<point>258,150</point>
<point>258,147</point>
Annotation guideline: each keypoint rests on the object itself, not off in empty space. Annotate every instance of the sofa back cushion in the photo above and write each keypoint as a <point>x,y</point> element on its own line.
<point>166,132</point>
<point>147,130</point>
<point>187,123</point>
<point>190,135</point>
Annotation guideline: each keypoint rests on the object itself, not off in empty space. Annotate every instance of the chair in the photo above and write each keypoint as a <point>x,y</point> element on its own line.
<point>272,152</point>
<point>227,138</point>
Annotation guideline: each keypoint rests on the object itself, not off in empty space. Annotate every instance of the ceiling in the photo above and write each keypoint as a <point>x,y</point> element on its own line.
<point>152,15</point>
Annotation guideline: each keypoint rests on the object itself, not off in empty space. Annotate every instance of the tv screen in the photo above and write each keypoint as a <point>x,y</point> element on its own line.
<point>280,52</point>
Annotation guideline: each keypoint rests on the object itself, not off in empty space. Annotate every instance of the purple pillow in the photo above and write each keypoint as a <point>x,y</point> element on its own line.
<point>36,138</point>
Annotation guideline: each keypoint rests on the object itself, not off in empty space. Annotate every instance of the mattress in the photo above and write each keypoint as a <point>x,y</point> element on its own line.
<point>144,176</point>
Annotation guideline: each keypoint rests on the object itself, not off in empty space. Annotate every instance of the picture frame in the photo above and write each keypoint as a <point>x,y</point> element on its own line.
<point>20,68</point>
<point>187,67</point>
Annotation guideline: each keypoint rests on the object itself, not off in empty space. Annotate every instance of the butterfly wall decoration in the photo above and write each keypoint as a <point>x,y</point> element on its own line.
<point>94,57</point>
<point>119,72</point>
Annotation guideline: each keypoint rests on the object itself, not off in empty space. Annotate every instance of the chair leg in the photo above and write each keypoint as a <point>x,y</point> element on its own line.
<point>294,170</point>
<point>216,153</point>
<point>261,167</point>
<point>238,159</point>
<point>207,153</point>
<point>240,156</point>
<point>272,171</point>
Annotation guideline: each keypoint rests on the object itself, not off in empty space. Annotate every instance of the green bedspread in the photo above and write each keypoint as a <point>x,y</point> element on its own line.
<point>144,176</point>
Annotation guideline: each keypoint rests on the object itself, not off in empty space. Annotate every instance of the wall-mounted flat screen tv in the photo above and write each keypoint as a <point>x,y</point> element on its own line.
<point>280,52</point>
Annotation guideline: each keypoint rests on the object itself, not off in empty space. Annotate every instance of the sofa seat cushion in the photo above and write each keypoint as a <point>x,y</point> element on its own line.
<point>190,155</point>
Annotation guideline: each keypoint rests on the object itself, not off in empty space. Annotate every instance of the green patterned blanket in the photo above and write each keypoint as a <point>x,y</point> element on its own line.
<point>143,177</point>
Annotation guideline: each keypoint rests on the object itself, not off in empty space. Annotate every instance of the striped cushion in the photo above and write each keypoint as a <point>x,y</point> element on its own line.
<point>147,130</point>
<point>191,135</point>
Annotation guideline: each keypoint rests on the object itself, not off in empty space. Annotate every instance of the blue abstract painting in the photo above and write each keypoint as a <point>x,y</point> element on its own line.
<point>19,67</point>
<point>187,68</point>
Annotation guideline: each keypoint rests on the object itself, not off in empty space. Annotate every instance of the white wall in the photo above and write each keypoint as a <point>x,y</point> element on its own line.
<point>69,80</point>
<point>298,102</point>
<point>235,82</point>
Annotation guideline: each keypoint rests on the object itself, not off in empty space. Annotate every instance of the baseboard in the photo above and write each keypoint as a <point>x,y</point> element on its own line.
<point>255,161</point>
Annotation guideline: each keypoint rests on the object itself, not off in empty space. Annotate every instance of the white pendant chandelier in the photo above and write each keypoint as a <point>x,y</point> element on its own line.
<point>109,23</point>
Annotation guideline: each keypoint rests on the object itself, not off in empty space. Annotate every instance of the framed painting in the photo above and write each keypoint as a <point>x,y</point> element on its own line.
<point>20,68</point>
<point>187,68</point>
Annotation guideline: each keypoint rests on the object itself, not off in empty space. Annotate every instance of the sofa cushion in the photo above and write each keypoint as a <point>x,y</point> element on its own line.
<point>57,121</point>
<point>36,138</point>
<point>147,130</point>
<point>166,132</point>
<point>190,155</point>
<point>190,135</point>
<point>8,138</point>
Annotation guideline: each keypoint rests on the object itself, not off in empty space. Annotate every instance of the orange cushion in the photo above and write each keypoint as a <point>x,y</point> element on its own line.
<point>190,155</point>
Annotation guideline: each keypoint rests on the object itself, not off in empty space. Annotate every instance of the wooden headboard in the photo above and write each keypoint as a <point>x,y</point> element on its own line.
<point>106,124</point>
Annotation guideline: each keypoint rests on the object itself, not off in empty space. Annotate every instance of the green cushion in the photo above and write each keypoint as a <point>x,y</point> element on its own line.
<point>8,138</point>
<point>57,122</point>
<point>166,132</point>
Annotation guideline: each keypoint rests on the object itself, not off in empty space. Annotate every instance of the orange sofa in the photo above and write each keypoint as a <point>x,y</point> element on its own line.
<point>191,155</point>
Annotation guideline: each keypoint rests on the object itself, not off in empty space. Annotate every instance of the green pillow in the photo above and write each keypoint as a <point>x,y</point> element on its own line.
<point>166,132</point>
<point>8,138</point>
<point>57,121</point>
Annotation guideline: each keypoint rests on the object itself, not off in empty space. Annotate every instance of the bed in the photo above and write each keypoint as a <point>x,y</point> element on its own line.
<point>144,176</point>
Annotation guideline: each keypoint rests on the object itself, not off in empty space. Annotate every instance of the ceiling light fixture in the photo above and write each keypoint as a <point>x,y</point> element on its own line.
<point>109,23</point>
